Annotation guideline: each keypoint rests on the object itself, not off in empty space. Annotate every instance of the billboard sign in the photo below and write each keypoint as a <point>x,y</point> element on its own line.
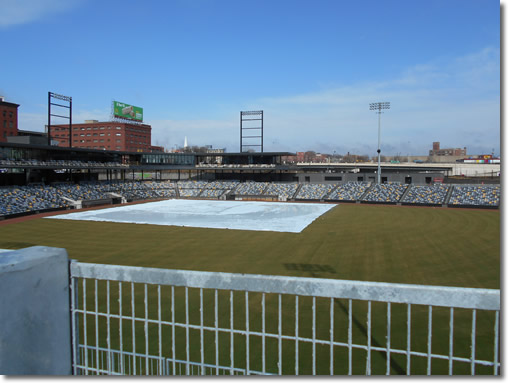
<point>127,111</point>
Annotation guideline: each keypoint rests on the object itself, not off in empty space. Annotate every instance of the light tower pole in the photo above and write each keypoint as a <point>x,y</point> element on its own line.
<point>378,106</point>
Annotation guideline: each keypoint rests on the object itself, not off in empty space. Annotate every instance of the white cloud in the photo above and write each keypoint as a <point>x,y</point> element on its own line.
<point>454,101</point>
<point>15,12</point>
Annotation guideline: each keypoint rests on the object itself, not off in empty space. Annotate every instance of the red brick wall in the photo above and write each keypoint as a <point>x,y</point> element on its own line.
<point>8,120</point>
<point>105,135</point>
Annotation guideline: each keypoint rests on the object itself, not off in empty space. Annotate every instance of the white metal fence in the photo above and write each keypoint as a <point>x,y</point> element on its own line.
<point>145,321</point>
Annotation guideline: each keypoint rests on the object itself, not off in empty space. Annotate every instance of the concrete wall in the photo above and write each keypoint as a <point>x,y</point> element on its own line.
<point>28,140</point>
<point>477,170</point>
<point>416,178</point>
<point>445,159</point>
<point>35,312</point>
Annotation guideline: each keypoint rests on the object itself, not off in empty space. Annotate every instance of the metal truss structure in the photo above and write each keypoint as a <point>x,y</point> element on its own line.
<point>254,134</point>
<point>67,99</point>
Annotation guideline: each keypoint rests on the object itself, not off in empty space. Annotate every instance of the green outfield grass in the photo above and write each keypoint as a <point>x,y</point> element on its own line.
<point>434,246</point>
<point>431,246</point>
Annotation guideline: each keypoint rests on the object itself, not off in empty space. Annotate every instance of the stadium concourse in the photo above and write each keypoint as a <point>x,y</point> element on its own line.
<point>38,198</point>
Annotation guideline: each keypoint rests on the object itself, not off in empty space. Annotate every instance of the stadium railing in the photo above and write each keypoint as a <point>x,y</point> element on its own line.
<point>145,321</point>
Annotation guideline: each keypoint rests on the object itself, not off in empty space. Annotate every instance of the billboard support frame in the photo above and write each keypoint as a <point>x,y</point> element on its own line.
<point>253,115</point>
<point>68,99</point>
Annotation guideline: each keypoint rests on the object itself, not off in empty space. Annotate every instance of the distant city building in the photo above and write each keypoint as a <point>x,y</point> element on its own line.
<point>289,159</point>
<point>481,159</point>
<point>8,119</point>
<point>28,137</point>
<point>154,148</point>
<point>309,156</point>
<point>92,134</point>
<point>320,158</point>
<point>437,151</point>
<point>214,159</point>
<point>215,150</point>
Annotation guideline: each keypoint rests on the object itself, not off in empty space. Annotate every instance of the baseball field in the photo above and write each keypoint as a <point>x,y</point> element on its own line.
<point>397,244</point>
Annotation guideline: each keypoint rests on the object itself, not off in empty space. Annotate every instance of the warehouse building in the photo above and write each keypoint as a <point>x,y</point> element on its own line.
<point>110,135</point>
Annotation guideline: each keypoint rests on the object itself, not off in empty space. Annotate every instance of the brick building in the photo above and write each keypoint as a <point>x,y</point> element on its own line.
<point>437,151</point>
<point>92,134</point>
<point>8,119</point>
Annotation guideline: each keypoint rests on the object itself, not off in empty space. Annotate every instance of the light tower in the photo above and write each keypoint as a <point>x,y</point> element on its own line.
<point>378,107</point>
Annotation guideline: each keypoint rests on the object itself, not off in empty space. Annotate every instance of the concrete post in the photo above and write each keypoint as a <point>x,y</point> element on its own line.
<point>35,336</point>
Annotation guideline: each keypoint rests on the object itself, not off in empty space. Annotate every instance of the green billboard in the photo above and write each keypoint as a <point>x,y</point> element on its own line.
<point>127,111</point>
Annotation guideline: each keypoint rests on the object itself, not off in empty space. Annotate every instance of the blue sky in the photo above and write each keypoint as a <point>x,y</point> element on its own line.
<point>313,67</point>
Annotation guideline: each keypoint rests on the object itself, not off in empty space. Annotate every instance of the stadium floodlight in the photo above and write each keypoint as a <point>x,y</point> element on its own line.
<point>378,107</point>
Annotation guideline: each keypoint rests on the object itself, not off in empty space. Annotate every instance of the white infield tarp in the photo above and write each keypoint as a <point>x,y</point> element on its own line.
<point>240,215</point>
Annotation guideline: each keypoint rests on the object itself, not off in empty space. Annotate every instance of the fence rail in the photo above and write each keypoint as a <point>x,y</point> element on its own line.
<point>134,320</point>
